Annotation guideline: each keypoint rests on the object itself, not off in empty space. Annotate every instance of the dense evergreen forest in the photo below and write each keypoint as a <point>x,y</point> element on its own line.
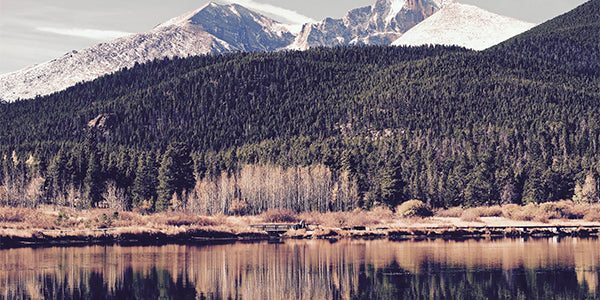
<point>324,129</point>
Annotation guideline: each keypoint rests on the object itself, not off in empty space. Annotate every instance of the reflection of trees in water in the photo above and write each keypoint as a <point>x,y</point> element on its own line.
<point>306,270</point>
<point>155,284</point>
<point>437,281</point>
<point>390,282</point>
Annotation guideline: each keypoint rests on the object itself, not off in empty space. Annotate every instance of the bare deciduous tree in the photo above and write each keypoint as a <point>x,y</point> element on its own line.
<point>114,196</point>
<point>34,191</point>
<point>260,188</point>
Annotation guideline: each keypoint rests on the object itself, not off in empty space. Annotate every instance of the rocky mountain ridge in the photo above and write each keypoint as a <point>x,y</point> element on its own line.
<point>379,24</point>
<point>211,29</point>
<point>216,29</point>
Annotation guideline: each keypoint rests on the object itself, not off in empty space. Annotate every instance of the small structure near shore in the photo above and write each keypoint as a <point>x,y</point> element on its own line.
<point>279,228</point>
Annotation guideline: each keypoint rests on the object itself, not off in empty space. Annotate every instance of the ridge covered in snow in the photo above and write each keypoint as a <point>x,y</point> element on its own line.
<point>216,29</point>
<point>463,25</point>
<point>212,28</point>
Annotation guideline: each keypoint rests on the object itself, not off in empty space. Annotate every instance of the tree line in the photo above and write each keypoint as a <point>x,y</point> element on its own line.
<point>146,181</point>
<point>517,123</point>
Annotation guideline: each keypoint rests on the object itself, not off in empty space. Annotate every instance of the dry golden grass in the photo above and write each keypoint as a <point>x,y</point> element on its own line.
<point>529,212</point>
<point>65,218</point>
<point>279,216</point>
<point>593,216</point>
<point>297,234</point>
<point>453,212</point>
<point>544,212</point>
<point>357,217</point>
<point>11,215</point>
<point>382,213</point>
<point>471,215</point>
<point>490,211</point>
<point>181,219</point>
<point>127,218</point>
<point>579,211</point>
<point>69,219</point>
<point>559,210</point>
<point>26,218</point>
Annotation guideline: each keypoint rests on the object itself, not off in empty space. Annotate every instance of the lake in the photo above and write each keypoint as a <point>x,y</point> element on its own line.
<point>314,269</point>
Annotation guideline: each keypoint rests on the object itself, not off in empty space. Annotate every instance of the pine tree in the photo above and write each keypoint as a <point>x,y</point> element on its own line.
<point>56,178</point>
<point>145,182</point>
<point>392,185</point>
<point>92,183</point>
<point>175,175</point>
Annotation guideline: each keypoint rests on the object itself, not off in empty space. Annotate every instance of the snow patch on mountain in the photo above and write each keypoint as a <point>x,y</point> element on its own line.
<point>395,7</point>
<point>212,28</point>
<point>379,24</point>
<point>216,28</point>
<point>463,25</point>
<point>185,19</point>
<point>106,58</point>
<point>443,3</point>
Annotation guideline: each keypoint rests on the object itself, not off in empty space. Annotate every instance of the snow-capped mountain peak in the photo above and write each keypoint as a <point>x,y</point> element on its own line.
<point>212,28</point>
<point>378,24</point>
<point>463,25</point>
<point>215,18</point>
<point>184,19</point>
<point>216,28</point>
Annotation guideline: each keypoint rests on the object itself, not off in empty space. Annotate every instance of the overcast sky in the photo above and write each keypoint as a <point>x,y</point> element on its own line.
<point>35,31</point>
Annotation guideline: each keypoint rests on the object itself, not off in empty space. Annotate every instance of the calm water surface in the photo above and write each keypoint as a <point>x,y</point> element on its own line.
<point>488,269</point>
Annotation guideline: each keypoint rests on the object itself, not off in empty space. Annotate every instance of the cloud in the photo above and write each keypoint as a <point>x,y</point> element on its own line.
<point>92,34</point>
<point>288,14</point>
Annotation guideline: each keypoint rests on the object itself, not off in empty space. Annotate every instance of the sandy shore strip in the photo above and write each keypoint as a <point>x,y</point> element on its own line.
<point>433,227</point>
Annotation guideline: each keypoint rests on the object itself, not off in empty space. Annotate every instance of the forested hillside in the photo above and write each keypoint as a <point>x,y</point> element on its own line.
<point>324,129</point>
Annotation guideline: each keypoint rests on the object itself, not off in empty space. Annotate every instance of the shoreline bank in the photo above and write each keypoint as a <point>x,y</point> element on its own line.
<point>11,238</point>
<point>52,226</point>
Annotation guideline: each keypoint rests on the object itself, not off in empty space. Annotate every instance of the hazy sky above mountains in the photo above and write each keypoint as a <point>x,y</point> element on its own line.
<point>35,31</point>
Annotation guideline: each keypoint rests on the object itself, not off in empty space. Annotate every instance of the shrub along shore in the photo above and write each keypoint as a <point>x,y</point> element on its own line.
<point>50,226</point>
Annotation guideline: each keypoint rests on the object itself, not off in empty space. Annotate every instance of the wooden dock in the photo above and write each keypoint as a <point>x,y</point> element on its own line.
<point>278,228</point>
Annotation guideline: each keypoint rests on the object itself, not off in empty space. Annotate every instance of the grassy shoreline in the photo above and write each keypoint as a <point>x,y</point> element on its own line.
<point>49,226</point>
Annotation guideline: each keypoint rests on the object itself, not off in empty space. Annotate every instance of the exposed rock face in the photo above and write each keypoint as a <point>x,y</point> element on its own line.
<point>103,121</point>
<point>241,28</point>
<point>103,125</point>
<point>328,33</point>
<point>379,24</point>
<point>218,29</point>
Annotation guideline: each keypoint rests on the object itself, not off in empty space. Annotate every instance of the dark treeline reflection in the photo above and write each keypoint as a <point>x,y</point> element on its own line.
<point>502,269</point>
<point>156,284</point>
<point>462,283</point>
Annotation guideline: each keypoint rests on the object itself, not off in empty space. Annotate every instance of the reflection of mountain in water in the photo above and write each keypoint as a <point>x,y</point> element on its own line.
<point>542,269</point>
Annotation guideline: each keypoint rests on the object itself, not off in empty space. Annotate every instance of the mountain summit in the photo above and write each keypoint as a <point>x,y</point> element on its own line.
<point>239,27</point>
<point>216,29</point>
<point>213,28</point>
<point>379,24</point>
<point>463,25</point>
